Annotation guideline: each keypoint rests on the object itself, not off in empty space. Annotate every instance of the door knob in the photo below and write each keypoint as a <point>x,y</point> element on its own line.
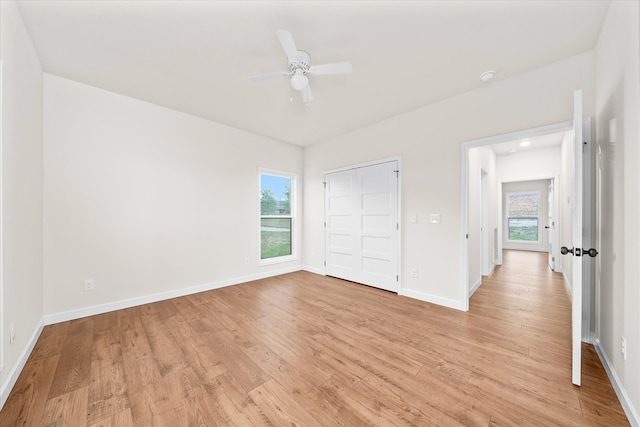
<point>564,250</point>
<point>546,226</point>
<point>591,252</point>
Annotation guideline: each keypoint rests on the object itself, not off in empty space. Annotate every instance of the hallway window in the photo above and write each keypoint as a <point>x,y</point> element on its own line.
<point>523,212</point>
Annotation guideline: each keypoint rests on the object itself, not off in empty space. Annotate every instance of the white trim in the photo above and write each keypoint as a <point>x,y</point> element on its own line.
<point>12,377</point>
<point>64,316</point>
<point>364,165</point>
<point>630,411</point>
<point>475,287</point>
<point>2,310</point>
<point>434,299</point>
<point>520,248</point>
<point>314,270</point>
<point>293,215</point>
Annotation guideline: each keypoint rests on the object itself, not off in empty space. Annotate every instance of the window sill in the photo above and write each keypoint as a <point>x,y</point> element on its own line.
<point>277,260</point>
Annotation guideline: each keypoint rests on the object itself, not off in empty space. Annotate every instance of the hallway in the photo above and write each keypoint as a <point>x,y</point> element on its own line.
<point>532,304</point>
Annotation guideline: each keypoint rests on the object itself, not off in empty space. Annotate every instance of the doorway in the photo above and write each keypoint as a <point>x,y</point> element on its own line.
<point>473,163</point>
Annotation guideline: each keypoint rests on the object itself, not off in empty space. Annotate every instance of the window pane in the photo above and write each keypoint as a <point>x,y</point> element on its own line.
<point>275,195</point>
<point>523,229</point>
<point>275,234</point>
<point>522,204</point>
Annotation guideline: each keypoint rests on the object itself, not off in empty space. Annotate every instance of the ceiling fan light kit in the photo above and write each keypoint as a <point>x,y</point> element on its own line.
<point>300,67</point>
<point>299,81</point>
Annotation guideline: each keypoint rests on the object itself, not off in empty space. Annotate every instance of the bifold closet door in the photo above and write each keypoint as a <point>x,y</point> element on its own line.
<point>361,225</point>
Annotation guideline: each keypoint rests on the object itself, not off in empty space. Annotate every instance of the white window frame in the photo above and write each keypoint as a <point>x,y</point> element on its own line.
<point>293,215</point>
<point>526,242</point>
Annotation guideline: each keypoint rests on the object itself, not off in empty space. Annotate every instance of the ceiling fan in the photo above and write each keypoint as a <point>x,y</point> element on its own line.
<point>300,66</point>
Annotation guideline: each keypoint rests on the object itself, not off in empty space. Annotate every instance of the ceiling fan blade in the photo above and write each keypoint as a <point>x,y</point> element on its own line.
<point>307,97</point>
<point>335,68</point>
<point>286,40</point>
<point>269,76</point>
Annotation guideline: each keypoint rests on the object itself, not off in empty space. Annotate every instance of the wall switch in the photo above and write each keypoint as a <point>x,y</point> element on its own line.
<point>623,348</point>
<point>89,285</point>
<point>434,218</point>
<point>12,332</point>
<point>414,273</point>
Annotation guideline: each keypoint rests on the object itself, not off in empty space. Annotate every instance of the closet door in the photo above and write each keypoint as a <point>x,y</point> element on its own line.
<point>361,225</point>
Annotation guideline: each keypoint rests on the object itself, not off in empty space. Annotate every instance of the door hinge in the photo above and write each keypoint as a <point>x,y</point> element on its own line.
<point>324,263</point>
<point>466,236</point>
<point>397,278</point>
<point>397,173</point>
<point>325,184</point>
<point>397,226</point>
<point>325,224</point>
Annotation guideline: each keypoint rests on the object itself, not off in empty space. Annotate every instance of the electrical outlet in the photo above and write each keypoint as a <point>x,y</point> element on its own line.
<point>623,348</point>
<point>12,332</point>
<point>89,285</point>
<point>414,273</point>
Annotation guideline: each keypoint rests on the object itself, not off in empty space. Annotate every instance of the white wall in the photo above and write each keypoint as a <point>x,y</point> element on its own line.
<point>481,159</point>
<point>145,200</point>
<point>428,140</point>
<point>21,193</point>
<point>617,83</point>
<point>530,165</point>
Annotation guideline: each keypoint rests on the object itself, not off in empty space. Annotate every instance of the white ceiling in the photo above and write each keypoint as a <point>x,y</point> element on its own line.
<point>197,56</point>
<point>534,143</point>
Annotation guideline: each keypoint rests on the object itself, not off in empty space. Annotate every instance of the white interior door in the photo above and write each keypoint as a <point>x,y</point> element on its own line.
<point>577,286</point>
<point>551,226</point>
<point>361,225</point>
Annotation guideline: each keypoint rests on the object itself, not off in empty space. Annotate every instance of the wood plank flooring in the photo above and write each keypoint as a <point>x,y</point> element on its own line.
<point>302,349</point>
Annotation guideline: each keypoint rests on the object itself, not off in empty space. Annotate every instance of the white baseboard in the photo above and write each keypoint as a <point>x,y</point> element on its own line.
<point>315,270</point>
<point>423,296</point>
<point>64,316</point>
<point>12,377</point>
<point>625,400</point>
<point>475,287</point>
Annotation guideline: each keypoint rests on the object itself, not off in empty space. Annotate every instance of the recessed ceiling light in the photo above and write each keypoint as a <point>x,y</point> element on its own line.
<point>525,143</point>
<point>487,75</point>
<point>513,150</point>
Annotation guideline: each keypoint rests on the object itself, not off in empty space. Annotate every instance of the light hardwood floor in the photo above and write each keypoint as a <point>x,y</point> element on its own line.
<point>302,349</point>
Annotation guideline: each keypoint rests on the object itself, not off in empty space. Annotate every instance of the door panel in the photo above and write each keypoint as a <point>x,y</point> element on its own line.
<point>577,286</point>
<point>362,225</point>
<point>551,225</point>
<point>339,214</point>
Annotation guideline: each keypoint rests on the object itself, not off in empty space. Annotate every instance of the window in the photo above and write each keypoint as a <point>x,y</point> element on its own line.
<point>523,211</point>
<point>276,216</point>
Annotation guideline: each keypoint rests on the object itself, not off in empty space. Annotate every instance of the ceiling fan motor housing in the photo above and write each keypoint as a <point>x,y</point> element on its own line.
<point>301,62</point>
